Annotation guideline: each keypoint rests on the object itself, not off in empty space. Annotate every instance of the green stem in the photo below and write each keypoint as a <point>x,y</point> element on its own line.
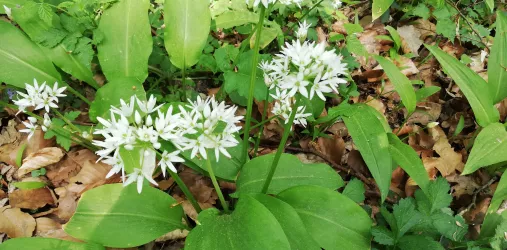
<point>281,146</point>
<point>262,123</point>
<point>306,13</point>
<point>186,191</point>
<point>264,113</point>
<point>253,75</point>
<point>73,91</point>
<point>215,184</point>
<point>66,120</point>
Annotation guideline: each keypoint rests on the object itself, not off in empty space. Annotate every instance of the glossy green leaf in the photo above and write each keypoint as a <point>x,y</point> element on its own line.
<point>21,60</point>
<point>117,216</point>
<point>493,219</point>
<point>471,84</point>
<point>268,34</point>
<point>235,81</point>
<point>417,242</point>
<point>29,185</point>
<point>127,42</point>
<point>332,219</point>
<point>379,7</point>
<point>407,158</point>
<point>401,83</point>
<point>290,221</point>
<point>422,93</point>
<point>354,190</point>
<point>34,27</point>
<point>489,148</point>
<point>459,126</point>
<point>497,62</point>
<point>232,18</point>
<point>369,135</point>
<point>131,158</point>
<point>37,243</point>
<point>396,37</point>
<point>289,173</point>
<point>187,26</point>
<point>491,5</point>
<point>10,3</point>
<point>112,92</point>
<point>250,226</point>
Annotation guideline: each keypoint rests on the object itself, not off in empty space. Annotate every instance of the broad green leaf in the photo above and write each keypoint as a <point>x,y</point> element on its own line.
<point>489,148</point>
<point>333,220</point>
<point>38,243</point>
<point>289,173</point>
<point>379,7</point>
<point>417,242</point>
<point>112,92</point>
<point>491,5</point>
<point>401,83</point>
<point>438,197</point>
<point>131,158</point>
<point>396,38</point>
<point>422,93</point>
<point>369,135</point>
<point>497,62</point>
<point>407,158</point>
<point>268,34</point>
<point>290,221</point>
<point>187,28</point>
<point>117,216</point>
<point>34,27</point>
<point>233,18</point>
<point>471,84</point>
<point>21,60</point>
<point>250,226</point>
<point>10,3</point>
<point>493,219</point>
<point>354,190</point>
<point>238,81</point>
<point>29,185</point>
<point>127,42</point>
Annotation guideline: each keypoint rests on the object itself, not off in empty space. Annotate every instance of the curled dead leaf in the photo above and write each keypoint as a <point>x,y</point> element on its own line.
<point>40,159</point>
<point>173,235</point>
<point>16,223</point>
<point>410,39</point>
<point>31,198</point>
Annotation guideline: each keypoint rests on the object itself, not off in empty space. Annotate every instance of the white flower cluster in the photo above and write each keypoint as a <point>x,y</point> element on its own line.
<point>40,97</point>
<point>304,68</point>
<point>336,4</point>
<point>266,3</point>
<point>201,125</point>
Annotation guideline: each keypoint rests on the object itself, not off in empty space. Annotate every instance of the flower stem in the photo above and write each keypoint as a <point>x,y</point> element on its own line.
<point>66,120</point>
<point>186,191</point>
<point>253,76</point>
<point>264,113</point>
<point>281,146</point>
<point>215,184</point>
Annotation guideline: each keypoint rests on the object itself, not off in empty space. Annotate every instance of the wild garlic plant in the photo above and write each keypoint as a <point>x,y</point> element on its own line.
<point>141,127</point>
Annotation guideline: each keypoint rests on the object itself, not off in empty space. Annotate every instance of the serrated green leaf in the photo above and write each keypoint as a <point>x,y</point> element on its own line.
<point>406,216</point>
<point>250,226</point>
<point>289,173</point>
<point>421,10</point>
<point>408,159</point>
<point>493,219</point>
<point>236,81</point>
<point>187,28</point>
<point>438,197</point>
<point>488,149</point>
<point>497,62</point>
<point>471,84</point>
<point>379,7</point>
<point>446,28</point>
<point>332,219</point>
<point>45,13</point>
<point>117,216</point>
<point>382,235</point>
<point>401,83</point>
<point>62,135</point>
<point>39,243</point>
<point>499,242</point>
<point>417,242</point>
<point>127,43</point>
<point>452,227</point>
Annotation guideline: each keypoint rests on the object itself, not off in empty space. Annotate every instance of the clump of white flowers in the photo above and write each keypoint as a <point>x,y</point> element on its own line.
<point>201,125</point>
<point>266,3</point>
<point>303,68</point>
<point>38,96</point>
<point>336,4</point>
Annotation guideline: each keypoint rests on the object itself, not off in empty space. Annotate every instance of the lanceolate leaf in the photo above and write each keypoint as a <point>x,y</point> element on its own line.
<point>127,42</point>
<point>289,173</point>
<point>21,60</point>
<point>37,243</point>
<point>471,84</point>
<point>187,28</point>
<point>250,227</point>
<point>401,83</point>
<point>408,159</point>
<point>30,22</point>
<point>117,216</point>
<point>379,7</point>
<point>369,135</point>
<point>490,147</point>
<point>493,219</point>
<point>333,220</point>
<point>497,62</point>
<point>234,18</point>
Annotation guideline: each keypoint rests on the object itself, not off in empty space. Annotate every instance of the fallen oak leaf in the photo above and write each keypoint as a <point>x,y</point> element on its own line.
<point>16,223</point>
<point>40,159</point>
<point>31,198</point>
<point>70,166</point>
<point>49,228</point>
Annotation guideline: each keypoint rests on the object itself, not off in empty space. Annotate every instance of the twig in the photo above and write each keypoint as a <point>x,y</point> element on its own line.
<point>476,192</point>
<point>469,24</point>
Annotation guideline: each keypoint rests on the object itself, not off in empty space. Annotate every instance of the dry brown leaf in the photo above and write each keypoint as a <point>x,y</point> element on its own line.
<point>31,198</point>
<point>71,164</point>
<point>16,223</point>
<point>189,209</point>
<point>339,27</point>
<point>40,159</point>
<point>200,186</point>
<point>376,104</point>
<point>9,133</point>
<point>372,45</point>
<point>464,184</point>
<point>2,194</point>
<point>425,113</point>
<point>333,148</point>
<point>410,39</point>
<point>37,142</point>
<point>66,203</point>
<point>338,129</point>
<point>321,35</point>
<point>449,160</point>
<point>425,28</point>
<point>502,109</point>
<point>49,228</point>
<point>173,235</point>
<point>476,215</point>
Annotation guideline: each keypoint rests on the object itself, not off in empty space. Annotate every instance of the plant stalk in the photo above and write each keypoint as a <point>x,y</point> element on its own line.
<point>66,120</point>
<point>281,146</point>
<point>186,191</point>
<point>255,59</point>
<point>215,184</point>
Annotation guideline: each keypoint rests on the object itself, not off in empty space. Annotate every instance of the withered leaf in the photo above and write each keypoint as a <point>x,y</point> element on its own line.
<point>31,198</point>
<point>40,159</point>
<point>16,223</point>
